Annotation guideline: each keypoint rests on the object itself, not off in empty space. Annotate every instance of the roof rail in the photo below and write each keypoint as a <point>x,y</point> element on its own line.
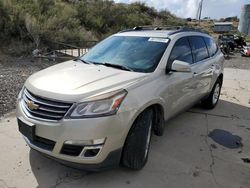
<point>151,27</point>
<point>188,29</point>
<point>176,29</point>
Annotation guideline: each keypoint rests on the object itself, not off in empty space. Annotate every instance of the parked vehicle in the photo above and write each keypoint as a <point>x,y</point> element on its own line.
<point>239,41</point>
<point>227,39</point>
<point>225,49</point>
<point>245,51</point>
<point>100,110</point>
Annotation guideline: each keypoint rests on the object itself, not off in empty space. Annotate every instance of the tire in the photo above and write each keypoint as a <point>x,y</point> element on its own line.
<point>137,144</point>
<point>213,98</point>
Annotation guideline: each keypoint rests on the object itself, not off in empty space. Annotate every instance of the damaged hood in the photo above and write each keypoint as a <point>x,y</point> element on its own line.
<point>73,81</point>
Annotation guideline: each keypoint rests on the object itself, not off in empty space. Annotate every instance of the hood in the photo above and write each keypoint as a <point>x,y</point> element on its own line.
<point>73,81</point>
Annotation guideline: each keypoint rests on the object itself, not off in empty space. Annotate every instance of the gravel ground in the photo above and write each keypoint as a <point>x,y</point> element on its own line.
<point>14,72</point>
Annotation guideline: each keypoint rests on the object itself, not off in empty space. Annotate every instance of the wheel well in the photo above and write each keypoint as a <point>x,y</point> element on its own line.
<point>221,77</point>
<point>158,110</point>
<point>158,113</point>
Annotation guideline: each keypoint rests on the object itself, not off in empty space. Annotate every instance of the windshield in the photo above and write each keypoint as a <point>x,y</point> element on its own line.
<point>140,54</point>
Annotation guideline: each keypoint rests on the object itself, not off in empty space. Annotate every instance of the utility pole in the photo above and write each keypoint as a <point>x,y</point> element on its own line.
<point>200,11</point>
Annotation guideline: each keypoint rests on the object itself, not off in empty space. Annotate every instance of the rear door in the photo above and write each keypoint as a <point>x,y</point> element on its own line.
<point>215,58</point>
<point>203,66</point>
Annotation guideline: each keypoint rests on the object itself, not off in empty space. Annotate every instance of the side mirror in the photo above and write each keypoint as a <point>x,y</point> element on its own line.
<point>181,66</point>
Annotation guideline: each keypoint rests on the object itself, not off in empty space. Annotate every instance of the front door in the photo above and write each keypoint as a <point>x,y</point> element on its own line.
<point>181,85</point>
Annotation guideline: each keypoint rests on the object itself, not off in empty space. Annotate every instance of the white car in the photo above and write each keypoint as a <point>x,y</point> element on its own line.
<point>100,110</point>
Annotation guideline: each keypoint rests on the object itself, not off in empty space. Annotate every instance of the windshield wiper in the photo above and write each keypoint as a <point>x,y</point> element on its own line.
<point>79,59</point>
<point>122,67</point>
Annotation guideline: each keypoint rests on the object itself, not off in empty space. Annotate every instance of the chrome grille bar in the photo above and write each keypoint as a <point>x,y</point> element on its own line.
<point>41,113</point>
<point>46,109</point>
<point>44,101</point>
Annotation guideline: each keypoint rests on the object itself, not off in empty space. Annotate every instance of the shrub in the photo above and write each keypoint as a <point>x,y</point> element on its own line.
<point>73,21</point>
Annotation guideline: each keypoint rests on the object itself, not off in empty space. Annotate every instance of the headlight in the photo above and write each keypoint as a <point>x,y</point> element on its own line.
<point>102,105</point>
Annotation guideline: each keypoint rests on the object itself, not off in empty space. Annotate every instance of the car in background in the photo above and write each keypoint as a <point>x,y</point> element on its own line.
<point>227,39</point>
<point>239,41</point>
<point>245,51</point>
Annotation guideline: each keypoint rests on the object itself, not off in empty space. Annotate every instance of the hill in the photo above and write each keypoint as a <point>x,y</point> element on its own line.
<point>29,24</point>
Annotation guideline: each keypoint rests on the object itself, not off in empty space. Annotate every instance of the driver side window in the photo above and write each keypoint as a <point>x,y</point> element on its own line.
<point>181,51</point>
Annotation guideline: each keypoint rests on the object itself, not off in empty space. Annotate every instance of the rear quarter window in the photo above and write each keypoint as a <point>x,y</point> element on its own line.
<point>211,45</point>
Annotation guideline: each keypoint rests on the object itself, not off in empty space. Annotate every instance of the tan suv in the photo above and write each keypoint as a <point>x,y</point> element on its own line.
<point>100,110</point>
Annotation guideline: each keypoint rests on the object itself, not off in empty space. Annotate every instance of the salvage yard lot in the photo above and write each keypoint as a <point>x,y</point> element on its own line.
<point>185,156</point>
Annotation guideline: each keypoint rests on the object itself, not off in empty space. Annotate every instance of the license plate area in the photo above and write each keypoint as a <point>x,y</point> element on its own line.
<point>28,130</point>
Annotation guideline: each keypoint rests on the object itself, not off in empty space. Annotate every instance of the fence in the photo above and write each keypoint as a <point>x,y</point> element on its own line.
<point>59,50</point>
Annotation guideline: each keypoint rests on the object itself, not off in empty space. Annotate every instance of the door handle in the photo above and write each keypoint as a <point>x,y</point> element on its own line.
<point>212,66</point>
<point>195,74</point>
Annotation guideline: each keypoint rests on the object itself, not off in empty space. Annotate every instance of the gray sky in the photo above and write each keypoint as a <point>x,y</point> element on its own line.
<point>188,8</point>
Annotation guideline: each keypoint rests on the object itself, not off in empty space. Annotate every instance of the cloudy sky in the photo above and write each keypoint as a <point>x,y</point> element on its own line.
<point>188,8</point>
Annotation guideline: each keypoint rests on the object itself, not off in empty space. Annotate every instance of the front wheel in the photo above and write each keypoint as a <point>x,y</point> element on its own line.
<point>137,144</point>
<point>213,98</point>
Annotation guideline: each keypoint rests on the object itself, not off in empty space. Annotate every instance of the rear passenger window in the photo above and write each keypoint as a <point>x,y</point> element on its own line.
<point>199,48</point>
<point>181,51</point>
<point>211,45</point>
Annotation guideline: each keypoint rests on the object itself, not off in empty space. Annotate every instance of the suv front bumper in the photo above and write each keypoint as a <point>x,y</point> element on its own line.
<point>111,129</point>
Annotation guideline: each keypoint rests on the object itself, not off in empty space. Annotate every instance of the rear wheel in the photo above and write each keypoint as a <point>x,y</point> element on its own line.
<point>213,98</point>
<point>137,144</point>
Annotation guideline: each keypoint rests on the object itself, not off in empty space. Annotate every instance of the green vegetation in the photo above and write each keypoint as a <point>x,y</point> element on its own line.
<point>247,39</point>
<point>29,24</point>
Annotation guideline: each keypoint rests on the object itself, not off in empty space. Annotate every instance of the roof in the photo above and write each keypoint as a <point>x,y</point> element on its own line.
<point>223,23</point>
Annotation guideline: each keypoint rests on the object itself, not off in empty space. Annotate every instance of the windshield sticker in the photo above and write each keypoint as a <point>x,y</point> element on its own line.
<point>164,40</point>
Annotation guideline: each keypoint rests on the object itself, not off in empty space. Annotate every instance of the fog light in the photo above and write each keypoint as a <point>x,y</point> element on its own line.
<point>86,142</point>
<point>91,151</point>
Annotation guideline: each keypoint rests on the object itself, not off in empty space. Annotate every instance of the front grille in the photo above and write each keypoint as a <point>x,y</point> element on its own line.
<point>38,107</point>
<point>43,143</point>
<point>72,150</point>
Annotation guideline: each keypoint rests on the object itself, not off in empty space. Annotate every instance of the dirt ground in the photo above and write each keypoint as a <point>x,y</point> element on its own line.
<point>13,73</point>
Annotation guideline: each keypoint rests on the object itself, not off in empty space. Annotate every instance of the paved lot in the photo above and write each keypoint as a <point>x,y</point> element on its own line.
<point>237,61</point>
<point>184,157</point>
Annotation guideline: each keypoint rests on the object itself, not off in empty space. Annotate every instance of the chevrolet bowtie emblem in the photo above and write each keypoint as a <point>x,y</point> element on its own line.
<point>32,106</point>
